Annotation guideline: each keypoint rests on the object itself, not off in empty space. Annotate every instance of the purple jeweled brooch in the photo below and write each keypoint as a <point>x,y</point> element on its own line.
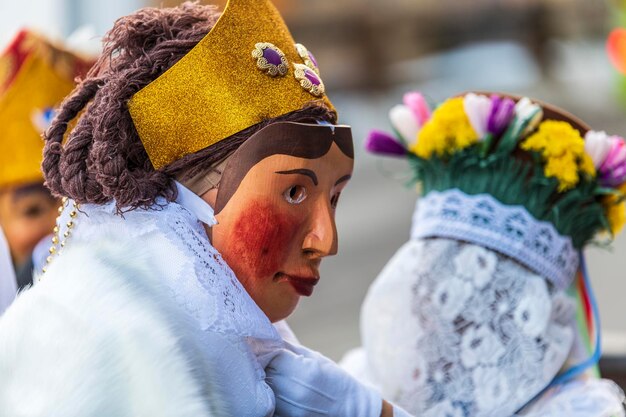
<point>307,57</point>
<point>309,79</point>
<point>270,59</point>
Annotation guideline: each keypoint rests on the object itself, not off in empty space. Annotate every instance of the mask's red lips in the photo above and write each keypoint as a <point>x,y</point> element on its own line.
<point>302,285</point>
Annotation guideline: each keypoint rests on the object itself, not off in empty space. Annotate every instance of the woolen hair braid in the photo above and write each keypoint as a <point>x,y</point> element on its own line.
<point>102,158</point>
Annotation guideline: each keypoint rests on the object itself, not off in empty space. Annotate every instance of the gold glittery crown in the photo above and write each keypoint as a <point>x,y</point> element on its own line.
<point>35,76</point>
<point>247,69</point>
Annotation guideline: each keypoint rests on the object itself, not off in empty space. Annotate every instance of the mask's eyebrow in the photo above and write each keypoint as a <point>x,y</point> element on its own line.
<point>301,171</point>
<point>343,179</point>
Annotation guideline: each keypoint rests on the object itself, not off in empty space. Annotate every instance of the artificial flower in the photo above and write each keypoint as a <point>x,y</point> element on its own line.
<point>613,169</point>
<point>501,114</point>
<point>404,122</point>
<point>381,143</point>
<point>563,168</point>
<point>527,110</point>
<point>616,210</point>
<point>418,105</point>
<point>597,146</point>
<point>477,107</point>
<point>448,130</point>
<point>563,151</point>
<point>586,165</point>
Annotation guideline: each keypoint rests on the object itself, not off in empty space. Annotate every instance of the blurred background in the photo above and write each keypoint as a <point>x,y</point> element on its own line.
<point>370,52</point>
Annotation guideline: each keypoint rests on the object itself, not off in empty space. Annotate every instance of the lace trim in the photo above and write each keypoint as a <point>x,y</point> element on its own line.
<point>510,230</point>
<point>197,276</point>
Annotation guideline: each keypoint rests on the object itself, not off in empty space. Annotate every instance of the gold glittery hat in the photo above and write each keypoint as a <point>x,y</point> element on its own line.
<point>35,76</point>
<point>247,69</point>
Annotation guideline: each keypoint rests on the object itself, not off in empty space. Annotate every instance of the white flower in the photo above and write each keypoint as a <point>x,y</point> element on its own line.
<point>492,388</point>
<point>597,146</point>
<point>480,345</point>
<point>404,122</point>
<point>526,109</point>
<point>477,107</point>
<point>532,314</point>
<point>450,296</point>
<point>477,264</point>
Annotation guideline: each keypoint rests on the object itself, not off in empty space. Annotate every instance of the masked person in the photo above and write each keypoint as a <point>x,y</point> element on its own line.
<point>487,310</point>
<point>200,185</point>
<point>35,75</point>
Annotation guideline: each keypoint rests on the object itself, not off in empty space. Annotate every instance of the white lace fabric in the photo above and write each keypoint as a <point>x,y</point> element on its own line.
<point>510,230</point>
<point>196,274</point>
<point>471,318</point>
<point>452,328</point>
<point>201,283</point>
<point>579,398</point>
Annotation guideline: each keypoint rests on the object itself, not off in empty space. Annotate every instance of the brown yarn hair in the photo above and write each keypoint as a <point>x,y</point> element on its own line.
<point>102,157</point>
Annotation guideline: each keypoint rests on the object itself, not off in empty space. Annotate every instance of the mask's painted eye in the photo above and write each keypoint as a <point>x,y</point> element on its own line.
<point>295,194</point>
<point>334,200</point>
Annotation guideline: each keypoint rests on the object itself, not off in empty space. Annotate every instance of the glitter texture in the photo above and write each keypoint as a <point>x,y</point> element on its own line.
<point>217,90</point>
<point>41,75</point>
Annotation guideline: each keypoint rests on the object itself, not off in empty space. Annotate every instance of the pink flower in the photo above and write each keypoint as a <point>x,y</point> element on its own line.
<point>416,102</point>
<point>613,169</point>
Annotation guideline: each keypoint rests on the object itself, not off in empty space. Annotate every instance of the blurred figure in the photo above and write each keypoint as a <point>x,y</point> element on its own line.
<point>487,311</point>
<point>35,76</point>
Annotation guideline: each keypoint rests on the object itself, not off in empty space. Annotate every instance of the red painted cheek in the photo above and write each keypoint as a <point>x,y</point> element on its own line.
<point>260,241</point>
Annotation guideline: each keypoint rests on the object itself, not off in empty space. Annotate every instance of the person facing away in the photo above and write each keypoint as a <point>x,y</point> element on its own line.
<point>36,75</point>
<point>487,310</point>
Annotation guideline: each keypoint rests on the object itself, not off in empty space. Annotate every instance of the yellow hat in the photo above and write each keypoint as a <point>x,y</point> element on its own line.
<point>35,76</point>
<point>247,69</point>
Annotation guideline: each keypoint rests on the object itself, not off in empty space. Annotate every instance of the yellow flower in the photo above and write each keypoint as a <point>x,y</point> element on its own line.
<point>448,131</point>
<point>586,165</point>
<point>563,151</point>
<point>616,212</point>
<point>564,169</point>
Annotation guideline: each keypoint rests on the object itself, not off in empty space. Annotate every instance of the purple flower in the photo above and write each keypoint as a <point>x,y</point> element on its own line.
<point>502,112</point>
<point>613,169</point>
<point>382,143</point>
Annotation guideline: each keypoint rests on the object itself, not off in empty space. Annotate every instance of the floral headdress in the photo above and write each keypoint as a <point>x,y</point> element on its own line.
<point>519,177</point>
<point>518,151</point>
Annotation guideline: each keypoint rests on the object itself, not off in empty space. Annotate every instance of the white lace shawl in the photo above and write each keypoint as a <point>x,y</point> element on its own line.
<point>455,329</point>
<point>198,279</point>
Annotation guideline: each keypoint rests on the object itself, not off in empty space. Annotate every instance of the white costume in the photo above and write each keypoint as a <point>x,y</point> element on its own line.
<point>8,286</point>
<point>181,337</point>
<point>451,328</point>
